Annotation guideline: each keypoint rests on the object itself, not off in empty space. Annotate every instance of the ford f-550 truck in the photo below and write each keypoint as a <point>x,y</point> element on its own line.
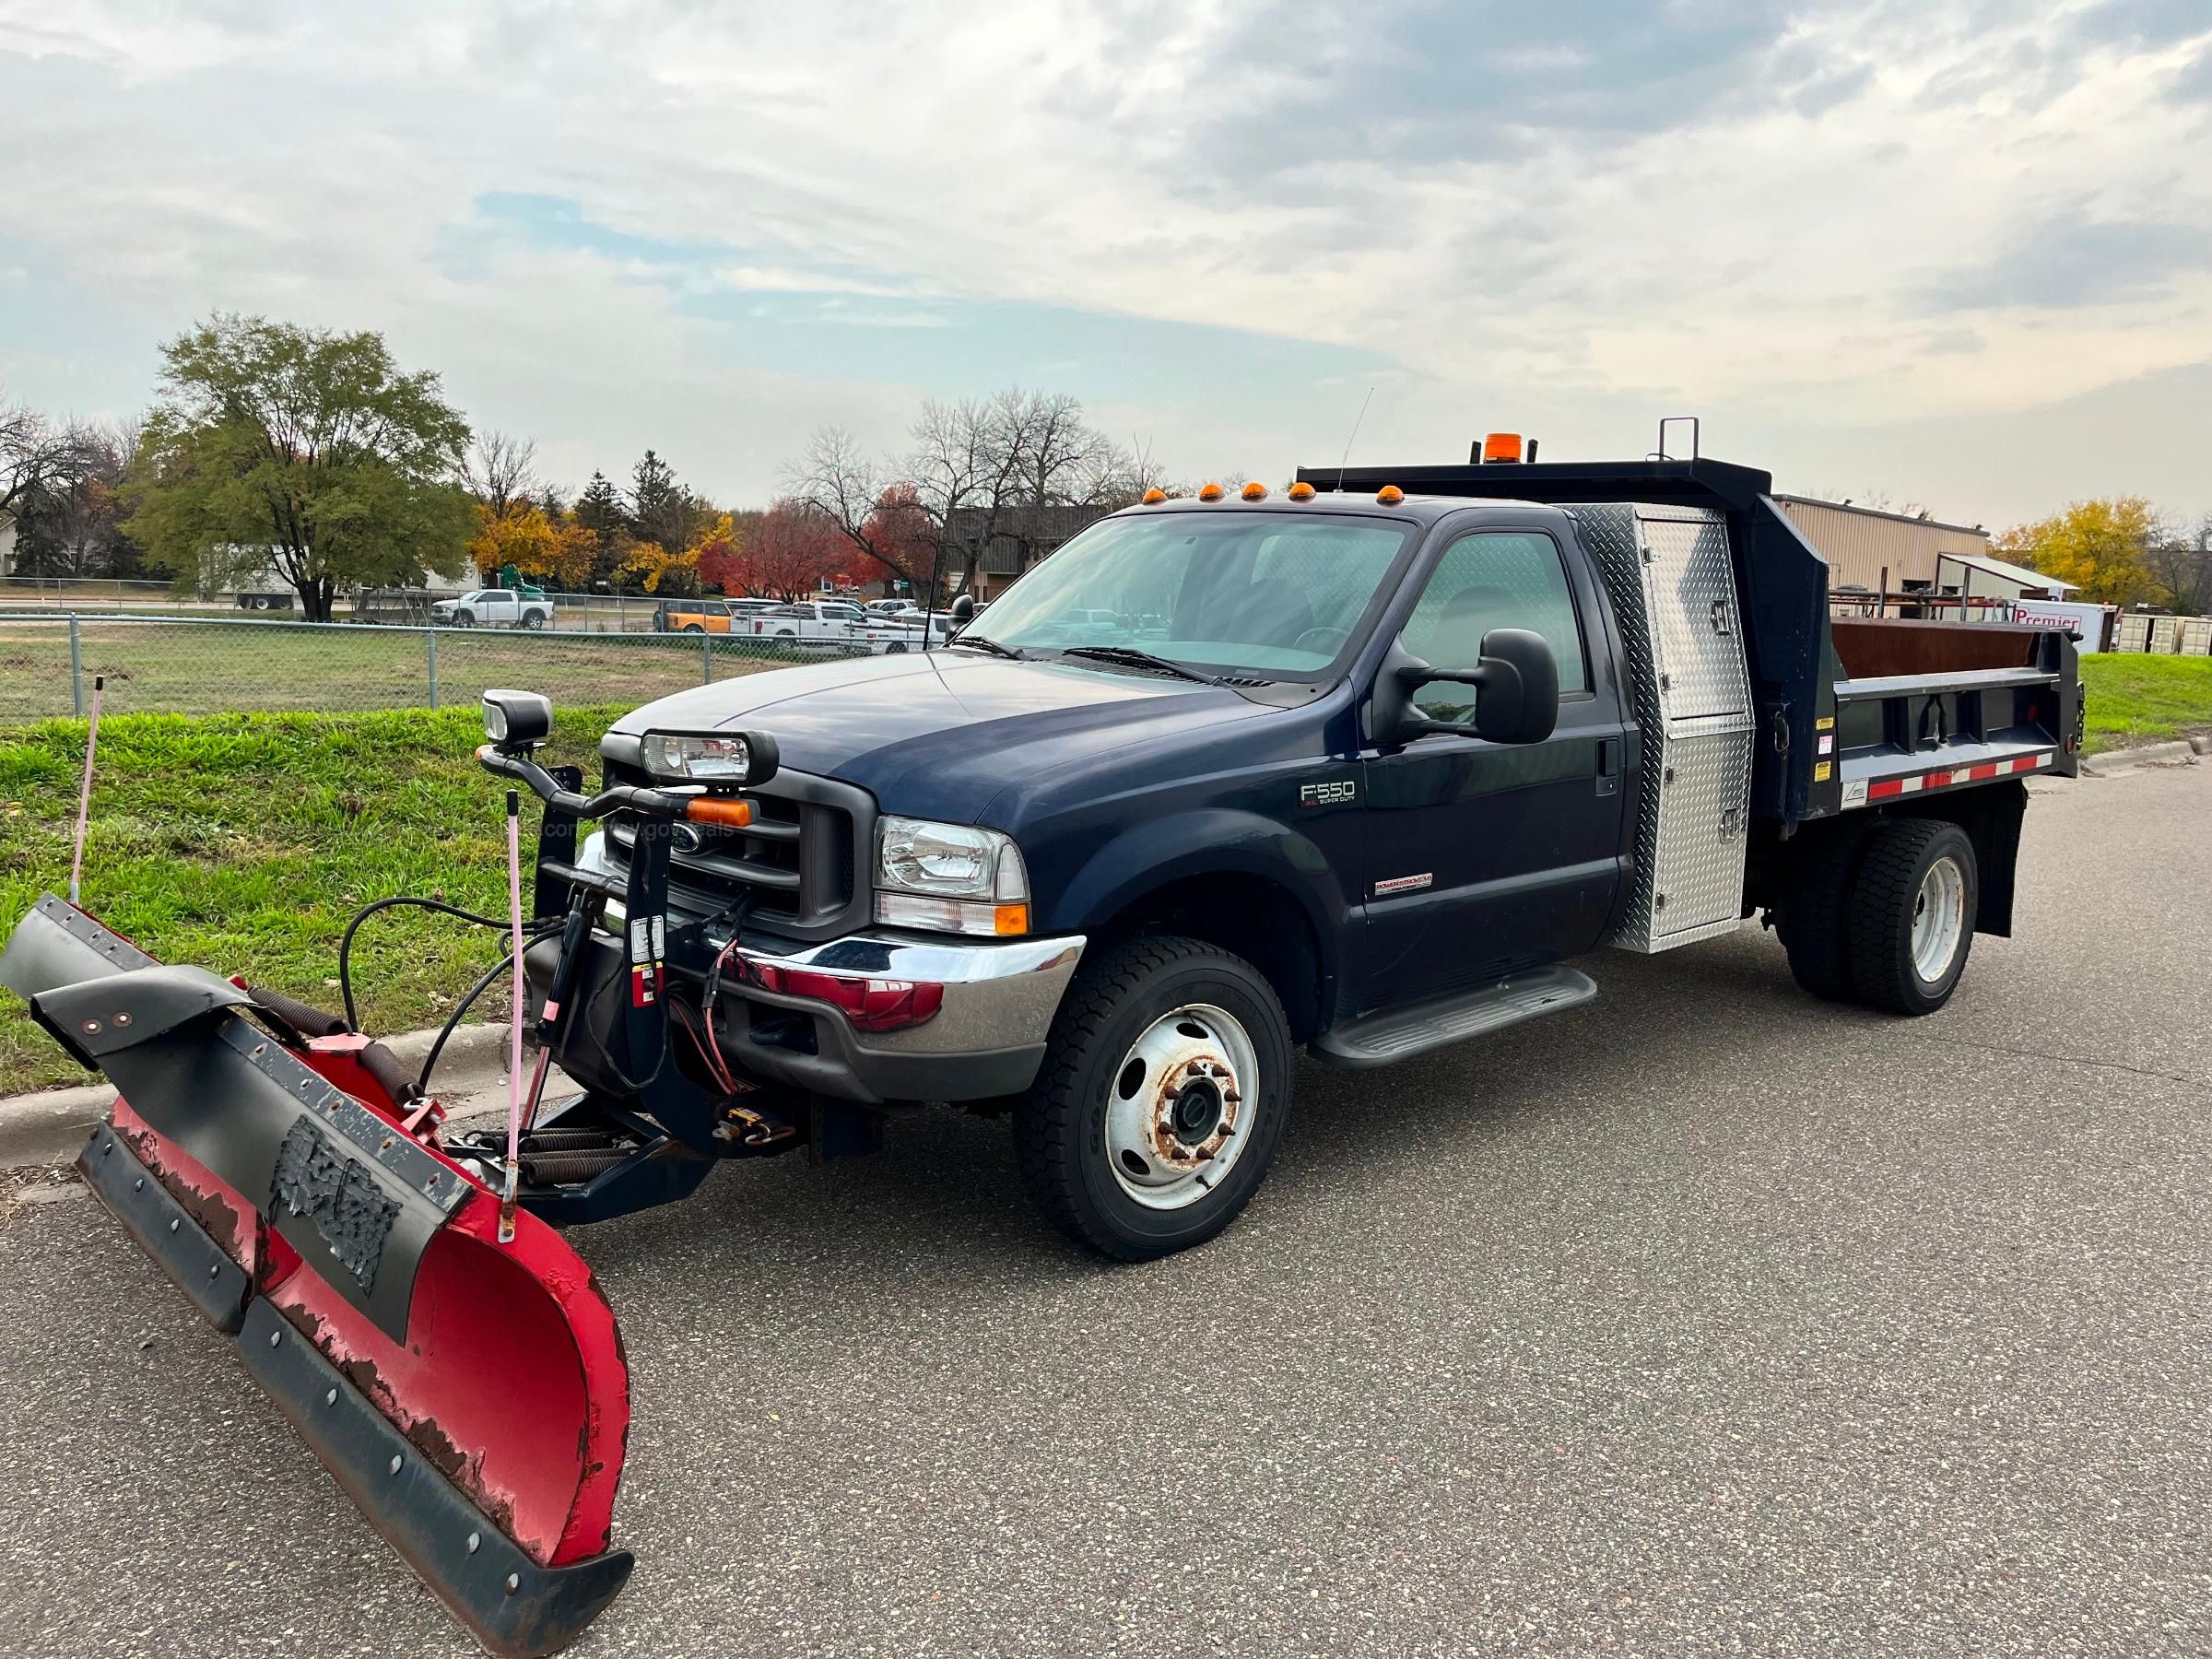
<point>1364,768</point>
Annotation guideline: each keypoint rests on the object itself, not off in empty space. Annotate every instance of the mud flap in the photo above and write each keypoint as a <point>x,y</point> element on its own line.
<point>470,1396</point>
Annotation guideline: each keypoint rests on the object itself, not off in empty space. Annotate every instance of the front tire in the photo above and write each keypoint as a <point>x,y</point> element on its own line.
<point>1913,915</point>
<point>465,619</point>
<point>1165,1083</point>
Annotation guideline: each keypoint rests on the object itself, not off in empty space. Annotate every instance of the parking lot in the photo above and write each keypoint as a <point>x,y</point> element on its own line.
<point>1702,1319</point>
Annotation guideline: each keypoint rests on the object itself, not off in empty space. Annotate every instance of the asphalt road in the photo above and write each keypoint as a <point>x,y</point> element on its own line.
<point>1703,1318</point>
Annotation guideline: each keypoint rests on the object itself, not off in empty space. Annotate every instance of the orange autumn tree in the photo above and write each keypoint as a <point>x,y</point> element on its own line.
<point>712,551</point>
<point>553,551</point>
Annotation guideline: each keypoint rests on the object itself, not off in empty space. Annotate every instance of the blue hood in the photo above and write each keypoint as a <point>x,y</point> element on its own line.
<point>938,733</point>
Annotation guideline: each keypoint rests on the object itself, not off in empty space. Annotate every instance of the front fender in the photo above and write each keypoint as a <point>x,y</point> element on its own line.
<point>1159,852</point>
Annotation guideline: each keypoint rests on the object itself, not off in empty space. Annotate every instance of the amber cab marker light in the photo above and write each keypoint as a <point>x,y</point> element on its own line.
<point>1390,495</point>
<point>1209,492</point>
<point>719,809</point>
<point>1255,491</point>
<point>1154,495</point>
<point>1501,446</point>
<point>1301,493</point>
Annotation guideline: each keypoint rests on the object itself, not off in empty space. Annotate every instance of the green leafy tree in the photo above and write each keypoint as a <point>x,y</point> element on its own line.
<point>304,451</point>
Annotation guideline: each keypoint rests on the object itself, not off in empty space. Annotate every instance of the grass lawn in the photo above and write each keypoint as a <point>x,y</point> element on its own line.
<point>198,669</point>
<point>2145,699</point>
<point>243,843</point>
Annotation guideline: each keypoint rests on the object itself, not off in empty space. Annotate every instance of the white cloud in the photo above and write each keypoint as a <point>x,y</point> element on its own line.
<point>1786,223</point>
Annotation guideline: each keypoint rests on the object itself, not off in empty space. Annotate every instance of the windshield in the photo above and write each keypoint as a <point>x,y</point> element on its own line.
<point>1275,595</point>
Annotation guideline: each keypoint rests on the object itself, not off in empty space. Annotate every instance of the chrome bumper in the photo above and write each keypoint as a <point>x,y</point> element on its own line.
<point>987,1039</point>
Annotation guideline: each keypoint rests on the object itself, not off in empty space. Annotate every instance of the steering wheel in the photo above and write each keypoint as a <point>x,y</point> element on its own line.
<point>1327,641</point>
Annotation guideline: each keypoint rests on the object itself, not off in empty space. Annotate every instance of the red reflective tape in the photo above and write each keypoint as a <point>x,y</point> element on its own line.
<point>1884,790</point>
<point>1987,770</point>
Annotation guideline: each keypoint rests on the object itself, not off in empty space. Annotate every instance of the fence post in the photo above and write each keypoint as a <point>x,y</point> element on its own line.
<point>429,637</point>
<point>706,659</point>
<point>77,670</point>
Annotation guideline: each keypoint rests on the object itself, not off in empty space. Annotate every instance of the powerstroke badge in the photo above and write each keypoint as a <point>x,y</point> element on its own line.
<point>1404,884</point>
<point>1342,793</point>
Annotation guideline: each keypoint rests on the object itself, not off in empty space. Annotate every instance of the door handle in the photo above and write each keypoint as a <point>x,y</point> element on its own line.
<point>1608,766</point>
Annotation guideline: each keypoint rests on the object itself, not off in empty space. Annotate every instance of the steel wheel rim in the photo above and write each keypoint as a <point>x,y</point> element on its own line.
<point>1179,1107</point>
<point>1938,919</point>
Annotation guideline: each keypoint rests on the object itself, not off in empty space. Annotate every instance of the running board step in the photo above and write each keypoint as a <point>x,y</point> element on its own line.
<point>1401,1033</point>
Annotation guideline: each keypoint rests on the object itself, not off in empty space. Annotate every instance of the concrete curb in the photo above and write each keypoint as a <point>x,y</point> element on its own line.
<point>2179,752</point>
<point>48,1126</point>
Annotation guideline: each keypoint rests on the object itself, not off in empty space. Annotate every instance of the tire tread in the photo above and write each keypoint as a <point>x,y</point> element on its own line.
<point>1050,1116</point>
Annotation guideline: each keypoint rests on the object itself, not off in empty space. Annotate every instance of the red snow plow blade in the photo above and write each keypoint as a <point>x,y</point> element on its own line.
<point>470,1396</point>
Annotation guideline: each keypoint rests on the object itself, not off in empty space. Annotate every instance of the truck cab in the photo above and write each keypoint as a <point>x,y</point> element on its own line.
<point>1362,771</point>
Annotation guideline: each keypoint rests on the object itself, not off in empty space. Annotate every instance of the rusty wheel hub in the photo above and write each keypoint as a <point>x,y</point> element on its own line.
<point>1178,1106</point>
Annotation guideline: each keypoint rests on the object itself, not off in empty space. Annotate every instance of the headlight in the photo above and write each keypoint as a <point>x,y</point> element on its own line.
<point>951,878</point>
<point>711,756</point>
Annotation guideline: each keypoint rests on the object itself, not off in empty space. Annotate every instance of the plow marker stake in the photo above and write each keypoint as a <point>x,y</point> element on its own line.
<point>84,794</point>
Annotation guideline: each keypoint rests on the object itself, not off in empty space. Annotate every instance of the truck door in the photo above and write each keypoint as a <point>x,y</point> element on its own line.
<point>1485,858</point>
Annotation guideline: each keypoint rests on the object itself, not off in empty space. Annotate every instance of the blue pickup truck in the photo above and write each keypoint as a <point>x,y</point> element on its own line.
<point>1364,768</point>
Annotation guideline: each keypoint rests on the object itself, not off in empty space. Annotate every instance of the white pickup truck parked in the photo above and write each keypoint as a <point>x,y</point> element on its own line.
<point>826,622</point>
<point>494,607</point>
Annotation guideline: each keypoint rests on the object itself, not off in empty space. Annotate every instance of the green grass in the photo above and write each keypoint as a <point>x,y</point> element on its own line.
<point>243,843</point>
<point>198,669</point>
<point>2145,699</point>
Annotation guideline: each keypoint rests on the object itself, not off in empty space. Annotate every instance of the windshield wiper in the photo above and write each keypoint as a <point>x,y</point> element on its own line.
<point>1138,659</point>
<point>984,642</point>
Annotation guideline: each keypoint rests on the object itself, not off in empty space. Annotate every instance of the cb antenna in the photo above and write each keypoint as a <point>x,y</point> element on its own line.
<point>1345,460</point>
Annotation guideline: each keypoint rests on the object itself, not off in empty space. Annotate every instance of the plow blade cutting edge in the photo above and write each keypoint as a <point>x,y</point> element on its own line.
<point>470,1396</point>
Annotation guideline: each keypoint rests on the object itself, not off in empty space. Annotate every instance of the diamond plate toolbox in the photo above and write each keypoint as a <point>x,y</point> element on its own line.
<point>1671,583</point>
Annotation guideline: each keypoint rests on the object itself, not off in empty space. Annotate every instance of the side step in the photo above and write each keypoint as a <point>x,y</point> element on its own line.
<point>1401,1033</point>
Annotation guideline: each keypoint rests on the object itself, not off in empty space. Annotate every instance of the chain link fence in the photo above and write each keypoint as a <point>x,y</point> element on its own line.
<point>201,665</point>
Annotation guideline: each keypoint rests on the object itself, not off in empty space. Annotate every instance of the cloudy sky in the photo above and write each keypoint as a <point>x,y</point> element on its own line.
<point>1956,252</point>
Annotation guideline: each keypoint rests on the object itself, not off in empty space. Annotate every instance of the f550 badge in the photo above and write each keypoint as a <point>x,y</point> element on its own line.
<point>1340,794</point>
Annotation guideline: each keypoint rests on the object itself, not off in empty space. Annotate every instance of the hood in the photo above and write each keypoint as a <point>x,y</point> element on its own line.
<point>938,733</point>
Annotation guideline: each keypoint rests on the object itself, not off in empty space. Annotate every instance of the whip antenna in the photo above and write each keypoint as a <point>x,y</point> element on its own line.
<point>1346,459</point>
<point>84,793</point>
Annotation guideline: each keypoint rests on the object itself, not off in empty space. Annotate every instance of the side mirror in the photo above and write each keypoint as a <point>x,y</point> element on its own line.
<point>1517,682</point>
<point>962,610</point>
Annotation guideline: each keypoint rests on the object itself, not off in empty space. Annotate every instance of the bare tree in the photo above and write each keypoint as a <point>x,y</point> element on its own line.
<point>71,524</point>
<point>973,464</point>
<point>37,453</point>
<point>839,479</point>
<point>501,470</point>
<point>2180,562</point>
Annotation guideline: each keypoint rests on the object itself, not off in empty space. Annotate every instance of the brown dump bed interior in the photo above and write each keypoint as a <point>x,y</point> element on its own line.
<point>1875,648</point>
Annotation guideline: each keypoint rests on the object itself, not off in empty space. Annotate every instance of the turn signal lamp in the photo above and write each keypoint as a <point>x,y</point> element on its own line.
<point>720,809</point>
<point>1501,446</point>
<point>1301,493</point>
<point>1209,492</point>
<point>1154,495</point>
<point>1255,491</point>
<point>1390,495</point>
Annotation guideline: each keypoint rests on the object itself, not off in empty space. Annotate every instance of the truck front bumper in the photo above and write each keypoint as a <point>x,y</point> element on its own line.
<point>811,1017</point>
<point>994,1002</point>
